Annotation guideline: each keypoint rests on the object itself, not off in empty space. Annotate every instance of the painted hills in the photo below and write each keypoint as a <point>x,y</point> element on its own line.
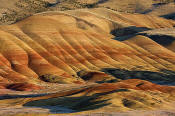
<point>64,43</point>
<point>83,61</point>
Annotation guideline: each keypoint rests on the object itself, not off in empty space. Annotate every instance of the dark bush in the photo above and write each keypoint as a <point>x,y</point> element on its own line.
<point>50,78</point>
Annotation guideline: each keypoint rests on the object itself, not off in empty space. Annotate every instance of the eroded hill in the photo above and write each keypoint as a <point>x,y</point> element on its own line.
<point>64,43</point>
<point>117,61</point>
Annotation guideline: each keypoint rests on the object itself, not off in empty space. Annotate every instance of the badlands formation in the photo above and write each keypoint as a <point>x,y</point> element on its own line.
<point>83,61</point>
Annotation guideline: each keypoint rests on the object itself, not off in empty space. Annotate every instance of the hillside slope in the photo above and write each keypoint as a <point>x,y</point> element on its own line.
<point>64,43</point>
<point>87,61</point>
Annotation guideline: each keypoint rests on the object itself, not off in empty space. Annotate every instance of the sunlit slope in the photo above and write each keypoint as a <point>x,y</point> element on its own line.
<point>63,43</point>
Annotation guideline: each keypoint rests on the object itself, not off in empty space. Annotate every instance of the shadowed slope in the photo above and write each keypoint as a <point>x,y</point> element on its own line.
<point>164,36</point>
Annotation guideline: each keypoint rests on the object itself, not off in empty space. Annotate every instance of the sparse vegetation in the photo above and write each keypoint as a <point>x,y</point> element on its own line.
<point>26,8</point>
<point>50,78</point>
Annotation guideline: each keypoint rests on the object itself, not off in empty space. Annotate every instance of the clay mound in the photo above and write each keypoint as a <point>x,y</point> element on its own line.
<point>121,96</point>
<point>64,43</point>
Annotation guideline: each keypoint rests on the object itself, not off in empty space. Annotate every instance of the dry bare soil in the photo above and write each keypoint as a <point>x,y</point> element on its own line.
<point>87,57</point>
